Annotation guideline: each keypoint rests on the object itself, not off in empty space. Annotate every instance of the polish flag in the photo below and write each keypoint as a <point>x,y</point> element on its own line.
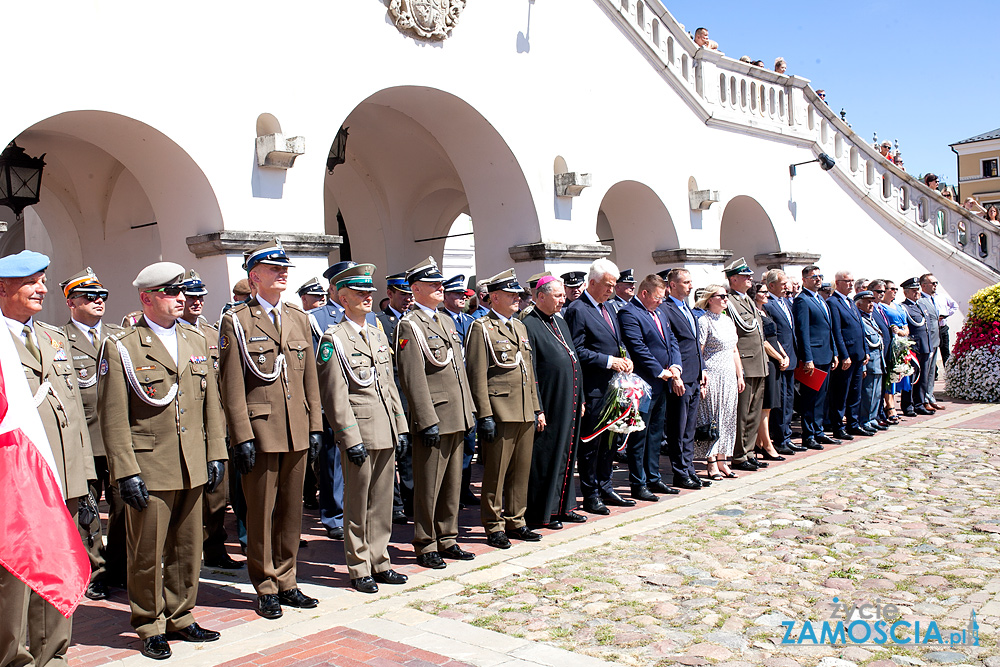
<point>41,545</point>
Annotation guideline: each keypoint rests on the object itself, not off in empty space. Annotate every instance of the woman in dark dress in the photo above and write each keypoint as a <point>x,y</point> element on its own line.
<point>776,360</point>
<point>551,487</point>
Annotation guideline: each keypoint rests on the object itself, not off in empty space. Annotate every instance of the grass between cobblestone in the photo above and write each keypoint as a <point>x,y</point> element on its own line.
<point>910,526</point>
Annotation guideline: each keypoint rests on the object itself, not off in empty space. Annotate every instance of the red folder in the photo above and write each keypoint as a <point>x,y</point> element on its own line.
<point>812,380</point>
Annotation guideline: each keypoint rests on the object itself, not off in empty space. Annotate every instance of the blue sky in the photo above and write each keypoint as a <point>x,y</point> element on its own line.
<point>921,72</point>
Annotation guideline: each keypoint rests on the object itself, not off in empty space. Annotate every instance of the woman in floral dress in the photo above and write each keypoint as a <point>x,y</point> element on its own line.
<point>725,380</point>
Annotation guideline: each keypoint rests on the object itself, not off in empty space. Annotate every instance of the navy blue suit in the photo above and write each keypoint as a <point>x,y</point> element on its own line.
<point>682,411</point>
<point>780,424</point>
<point>595,342</point>
<point>652,353</point>
<point>814,343</point>
<point>845,385</point>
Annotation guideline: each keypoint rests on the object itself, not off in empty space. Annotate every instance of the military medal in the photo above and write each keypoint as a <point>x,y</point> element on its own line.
<point>150,391</point>
<point>204,384</point>
<point>503,356</point>
<point>363,374</point>
<point>301,354</point>
<point>261,359</point>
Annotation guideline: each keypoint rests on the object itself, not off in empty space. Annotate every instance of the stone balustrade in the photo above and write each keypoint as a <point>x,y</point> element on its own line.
<point>730,93</point>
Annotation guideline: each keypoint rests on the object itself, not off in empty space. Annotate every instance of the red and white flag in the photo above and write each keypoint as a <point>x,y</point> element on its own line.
<point>40,543</point>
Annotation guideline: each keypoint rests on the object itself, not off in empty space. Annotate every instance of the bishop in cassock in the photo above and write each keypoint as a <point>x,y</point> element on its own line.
<point>551,488</point>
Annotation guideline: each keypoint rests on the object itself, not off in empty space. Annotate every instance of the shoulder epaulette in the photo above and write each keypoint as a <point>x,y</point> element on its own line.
<point>293,306</point>
<point>190,327</point>
<point>50,327</point>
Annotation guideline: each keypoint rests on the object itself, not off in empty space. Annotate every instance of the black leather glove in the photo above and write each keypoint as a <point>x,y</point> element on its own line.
<point>245,454</point>
<point>488,429</point>
<point>216,471</point>
<point>431,436</point>
<point>88,511</point>
<point>133,492</point>
<point>315,442</point>
<point>357,454</point>
<point>402,445</point>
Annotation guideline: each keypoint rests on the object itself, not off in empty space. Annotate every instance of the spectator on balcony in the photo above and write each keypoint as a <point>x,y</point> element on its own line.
<point>702,40</point>
<point>885,149</point>
<point>746,59</point>
<point>931,181</point>
<point>946,193</point>
<point>992,214</point>
<point>780,65</point>
<point>758,63</point>
<point>821,94</point>
<point>973,206</point>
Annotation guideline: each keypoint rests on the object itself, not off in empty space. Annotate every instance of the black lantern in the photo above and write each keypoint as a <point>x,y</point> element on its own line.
<point>20,178</point>
<point>338,152</point>
<point>826,163</point>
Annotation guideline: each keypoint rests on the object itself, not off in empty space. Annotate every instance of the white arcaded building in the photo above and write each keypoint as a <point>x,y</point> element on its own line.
<point>566,129</point>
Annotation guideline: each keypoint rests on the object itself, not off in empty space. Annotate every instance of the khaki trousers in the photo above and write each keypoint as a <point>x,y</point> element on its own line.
<point>437,479</point>
<point>368,511</point>
<point>273,491</point>
<point>507,462</point>
<point>214,518</point>
<point>14,596</point>
<point>164,560</point>
<point>748,416</point>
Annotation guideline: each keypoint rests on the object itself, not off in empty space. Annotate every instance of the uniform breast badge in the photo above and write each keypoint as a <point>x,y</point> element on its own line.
<point>104,367</point>
<point>261,359</point>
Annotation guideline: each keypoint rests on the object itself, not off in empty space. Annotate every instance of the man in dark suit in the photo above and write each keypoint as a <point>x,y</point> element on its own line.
<point>928,288</point>
<point>815,350</point>
<point>653,348</point>
<point>920,320</point>
<point>598,342</point>
<point>777,307</point>
<point>682,408</point>
<point>845,381</point>
<point>881,320</point>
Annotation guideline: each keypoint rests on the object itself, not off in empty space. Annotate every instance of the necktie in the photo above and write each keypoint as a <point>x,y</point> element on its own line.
<point>688,315</point>
<point>29,342</point>
<point>607,316</point>
<point>659,327</point>
<point>276,318</point>
<point>92,332</point>
<point>364,336</point>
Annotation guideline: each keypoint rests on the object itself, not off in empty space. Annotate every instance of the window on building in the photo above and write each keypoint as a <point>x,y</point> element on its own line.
<point>990,168</point>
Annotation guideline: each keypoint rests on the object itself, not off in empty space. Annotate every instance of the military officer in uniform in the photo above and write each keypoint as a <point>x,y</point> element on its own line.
<point>86,298</point>
<point>44,353</point>
<point>498,362</point>
<point>271,398</point>
<point>624,289</point>
<point>312,294</point>
<point>361,402</point>
<point>573,282</point>
<point>432,375</point>
<point>400,300</point>
<point>455,299</point>
<point>164,436</point>
<point>214,502</point>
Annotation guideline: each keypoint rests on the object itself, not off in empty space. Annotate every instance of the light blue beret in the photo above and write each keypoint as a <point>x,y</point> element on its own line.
<point>23,264</point>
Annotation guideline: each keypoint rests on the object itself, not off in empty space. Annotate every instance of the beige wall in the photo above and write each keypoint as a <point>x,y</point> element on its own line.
<point>985,190</point>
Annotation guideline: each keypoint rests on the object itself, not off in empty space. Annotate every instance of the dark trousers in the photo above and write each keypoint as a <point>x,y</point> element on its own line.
<point>112,566</point>
<point>469,452</point>
<point>748,415</point>
<point>813,406</point>
<point>915,396</point>
<point>681,419</point>
<point>845,396</point>
<point>331,482</point>
<point>402,489</point>
<point>595,459</point>
<point>643,449</point>
<point>945,344</point>
<point>780,421</point>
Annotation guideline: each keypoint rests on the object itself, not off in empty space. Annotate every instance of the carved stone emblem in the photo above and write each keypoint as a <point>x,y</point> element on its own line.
<point>428,19</point>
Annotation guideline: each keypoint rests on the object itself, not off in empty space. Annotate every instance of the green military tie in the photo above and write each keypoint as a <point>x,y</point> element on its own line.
<point>276,318</point>
<point>29,342</point>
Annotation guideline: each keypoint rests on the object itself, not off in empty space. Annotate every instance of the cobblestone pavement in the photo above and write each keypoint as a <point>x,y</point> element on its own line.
<point>912,520</point>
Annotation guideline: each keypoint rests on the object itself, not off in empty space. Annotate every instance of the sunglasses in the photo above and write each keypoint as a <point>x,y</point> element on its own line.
<point>169,290</point>
<point>931,283</point>
<point>94,296</point>
<point>879,291</point>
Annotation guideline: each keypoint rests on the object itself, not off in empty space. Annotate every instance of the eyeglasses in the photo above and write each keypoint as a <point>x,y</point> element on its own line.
<point>879,291</point>
<point>843,280</point>
<point>931,283</point>
<point>719,296</point>
<point>94,296</point>
<point>169,290</point>
<point>815,276</point>
<point>892,289</point>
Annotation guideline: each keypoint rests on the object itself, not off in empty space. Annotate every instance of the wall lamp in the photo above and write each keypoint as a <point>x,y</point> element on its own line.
<point>826,163</point>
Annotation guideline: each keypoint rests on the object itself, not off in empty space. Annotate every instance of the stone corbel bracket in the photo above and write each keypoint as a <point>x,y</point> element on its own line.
<point>233,242</point>
<point>781,259</point>
<point>571,251</point>
<point>692,256</point>
<point>701,200</point>
<point>571,184</point>
<point>276,151</point>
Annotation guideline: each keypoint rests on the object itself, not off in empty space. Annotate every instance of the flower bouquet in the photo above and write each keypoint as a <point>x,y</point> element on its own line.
<point>973,369</point>
<point>619,413</point>
<point>902,360</point>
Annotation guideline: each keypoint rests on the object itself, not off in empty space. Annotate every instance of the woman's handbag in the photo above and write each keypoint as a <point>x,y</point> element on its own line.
<point>707,432</point>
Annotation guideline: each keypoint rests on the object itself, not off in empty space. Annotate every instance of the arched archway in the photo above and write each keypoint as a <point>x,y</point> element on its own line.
<point>416,159</point>
<point>116,195</point>
<point>747,231</point>
<point>634,222</point>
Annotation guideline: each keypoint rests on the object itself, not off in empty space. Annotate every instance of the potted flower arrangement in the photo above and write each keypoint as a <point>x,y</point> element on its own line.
<point>973,369</point>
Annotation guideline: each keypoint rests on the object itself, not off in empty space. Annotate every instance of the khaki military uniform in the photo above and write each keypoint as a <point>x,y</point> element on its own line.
<point>105,561</point>
<point>498,361</point>
<point>432,376</point>
<point>362,404</point>
<point>170,447</point>
<point>750,345</point>
<point>61,410</point>
<point>278,415</point>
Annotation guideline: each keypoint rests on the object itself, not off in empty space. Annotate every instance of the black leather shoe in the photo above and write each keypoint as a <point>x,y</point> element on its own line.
<point>768,457</point>
<point>310,504</point>
<point>643,493</point>
<point>296,598</point>
<point>841,434</point>
<point>920,411</point>
<point>703,481</point>
<point>555,524</point>
<point>335,533</point>
<point>595,506</point>
<point>878,426</point>
<point>826,440</point>
<point>468,498</point>
<point>364,584</point>
<point>910,413</point>
<point>223,561</point>
<point>686,483</point>
<point>196,633</point>
<point>455,552</point>
<point>573,517</point>
<point>812,444</point>
<point>861,431</point>
<point>523,533</point>
<point>757,462</point>
<point>614,499</point>
<point>97,590</point>
<point>156,647</point>
<point>749,465</point>
<point>268,606</point>
<point>399,518</point>
<point>795,448</point>
<point>390,577</point>
<point>432,560</point>
<point>498,540</point>
<point>784,451</point>
<point>660,487</point>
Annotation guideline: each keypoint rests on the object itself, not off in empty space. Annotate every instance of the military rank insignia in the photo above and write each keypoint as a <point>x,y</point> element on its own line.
<point>224,341</point>
<point>104,367</point>
<point>325,352</point>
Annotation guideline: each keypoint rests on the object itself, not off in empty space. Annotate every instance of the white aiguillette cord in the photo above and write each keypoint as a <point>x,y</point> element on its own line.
<point>346,365</point>
<point>134,381</point>
<point>279,361</point>
<point>418,336</point>
<point>518,359</point>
